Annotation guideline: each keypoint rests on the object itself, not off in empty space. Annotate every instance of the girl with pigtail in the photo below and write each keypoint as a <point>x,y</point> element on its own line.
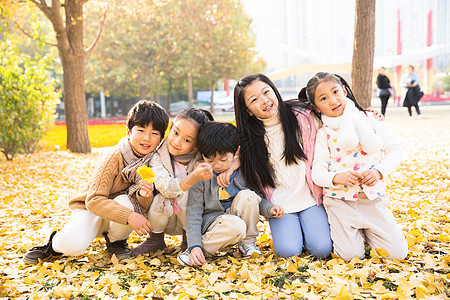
<point>177,166</point>
<point>354,152</point>
<point>277,148</point>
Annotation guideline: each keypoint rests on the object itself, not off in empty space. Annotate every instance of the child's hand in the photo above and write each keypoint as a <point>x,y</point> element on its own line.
<point>223,180</point>
<point>349,178</point>
<point>139,223</point>
<point>197,257</point>
<point>203,171</point>
<point>277,211</point>
<point>146,188</point>
<point>370,177</point>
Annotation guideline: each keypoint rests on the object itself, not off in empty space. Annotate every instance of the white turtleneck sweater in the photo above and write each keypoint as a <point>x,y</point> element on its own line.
<point>291,190</point>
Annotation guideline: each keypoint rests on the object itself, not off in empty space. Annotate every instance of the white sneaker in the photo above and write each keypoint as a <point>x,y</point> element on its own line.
<point>185,258</point>
<point>420,116</point>
<point>248,249</point>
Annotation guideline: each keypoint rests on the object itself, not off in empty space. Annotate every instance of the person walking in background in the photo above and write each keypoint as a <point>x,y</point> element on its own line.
<point>411,91</point>
<point>384,85</point>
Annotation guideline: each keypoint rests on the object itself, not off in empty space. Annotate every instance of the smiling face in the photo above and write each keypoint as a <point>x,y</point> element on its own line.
<point>182,138</point>
<point>330,98</point>
<point>260,100</point>
<point>144,139</point>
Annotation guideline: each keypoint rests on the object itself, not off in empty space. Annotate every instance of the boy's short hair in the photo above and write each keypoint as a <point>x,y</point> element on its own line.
<point>145,112</point>
<point>217,138</point>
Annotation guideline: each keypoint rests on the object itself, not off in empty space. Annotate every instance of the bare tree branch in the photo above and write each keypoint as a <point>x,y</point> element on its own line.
<point>29,34</point>
<point>94,43</point>
<point>42,5</point>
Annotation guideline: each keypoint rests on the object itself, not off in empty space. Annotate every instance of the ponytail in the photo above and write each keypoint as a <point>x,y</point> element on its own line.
<point>302,95</point>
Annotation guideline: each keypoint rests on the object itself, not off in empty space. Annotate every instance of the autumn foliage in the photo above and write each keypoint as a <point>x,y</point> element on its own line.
<point>27,100</point>
<point>35,189</point>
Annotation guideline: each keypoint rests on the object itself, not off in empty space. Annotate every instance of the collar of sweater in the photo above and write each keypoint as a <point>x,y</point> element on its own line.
<point>272,121</point>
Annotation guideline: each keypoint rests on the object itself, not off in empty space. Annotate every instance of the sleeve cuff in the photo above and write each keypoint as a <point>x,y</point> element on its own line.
<point>195,246</point>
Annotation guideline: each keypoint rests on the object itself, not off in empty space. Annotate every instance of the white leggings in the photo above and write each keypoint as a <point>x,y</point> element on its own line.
<point>83,227</point>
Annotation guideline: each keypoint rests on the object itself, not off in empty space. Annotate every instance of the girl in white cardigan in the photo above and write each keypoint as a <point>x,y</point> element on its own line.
<point>354,152</point>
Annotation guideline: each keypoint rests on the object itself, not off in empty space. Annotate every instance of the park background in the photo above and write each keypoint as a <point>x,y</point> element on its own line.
<point>187,53</point>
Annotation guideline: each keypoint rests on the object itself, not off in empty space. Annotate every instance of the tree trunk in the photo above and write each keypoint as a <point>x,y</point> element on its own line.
<point>157,96</point>
<point>169,94</point>
<point>122,105</point>
<point>213,87</point>
<point>72,59</point>
<point>363,51</point>
<point>143,91</point>
<point>190,92</point>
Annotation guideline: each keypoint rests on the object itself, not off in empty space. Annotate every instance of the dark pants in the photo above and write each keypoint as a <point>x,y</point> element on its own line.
<point>384,102</point>
<point>417,109</point>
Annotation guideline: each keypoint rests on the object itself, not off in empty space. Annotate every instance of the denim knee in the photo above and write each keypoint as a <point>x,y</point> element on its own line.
<point>288,249</point>
<point>321,248</point>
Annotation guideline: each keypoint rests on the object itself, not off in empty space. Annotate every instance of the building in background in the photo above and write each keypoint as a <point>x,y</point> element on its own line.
<point>293,33</point>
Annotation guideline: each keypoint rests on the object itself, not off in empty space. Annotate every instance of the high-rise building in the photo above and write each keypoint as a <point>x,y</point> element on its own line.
<point>293,32</point>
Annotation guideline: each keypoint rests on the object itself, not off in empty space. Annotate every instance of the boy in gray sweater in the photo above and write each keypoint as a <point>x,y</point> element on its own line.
<point>219,217</point>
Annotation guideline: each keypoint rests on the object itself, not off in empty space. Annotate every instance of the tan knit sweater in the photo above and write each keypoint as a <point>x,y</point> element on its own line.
<point>105,184</point>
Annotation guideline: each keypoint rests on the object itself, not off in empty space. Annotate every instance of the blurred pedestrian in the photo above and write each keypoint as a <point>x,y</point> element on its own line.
<point>411,91</point>
<point>384,85</point>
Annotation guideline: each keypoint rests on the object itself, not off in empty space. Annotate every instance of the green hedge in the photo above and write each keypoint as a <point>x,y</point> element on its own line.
<point>27,100</point>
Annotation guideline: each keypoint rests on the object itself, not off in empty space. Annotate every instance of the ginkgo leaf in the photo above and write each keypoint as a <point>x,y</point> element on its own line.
<point>33,203</point>
<point>146,173</point>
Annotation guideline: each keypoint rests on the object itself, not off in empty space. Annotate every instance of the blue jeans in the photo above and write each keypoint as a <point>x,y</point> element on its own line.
<point>308,227</point>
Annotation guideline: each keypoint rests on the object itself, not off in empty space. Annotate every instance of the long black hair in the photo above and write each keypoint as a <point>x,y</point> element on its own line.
<point>254,155</point>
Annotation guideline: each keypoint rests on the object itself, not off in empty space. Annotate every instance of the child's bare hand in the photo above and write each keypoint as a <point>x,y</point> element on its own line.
<point>223,180</point>
<point>203,171</point>
<point>370,177</point>
<point>197,257</point>
<point>277,211</point>
<point>349,178</point>
<point>146,188</point>
<point>139,223</point>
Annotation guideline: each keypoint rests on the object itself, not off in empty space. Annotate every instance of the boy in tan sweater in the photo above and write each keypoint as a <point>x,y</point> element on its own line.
<point>112,202</point>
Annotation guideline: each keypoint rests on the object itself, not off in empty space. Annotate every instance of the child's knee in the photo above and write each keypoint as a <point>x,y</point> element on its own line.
<point>125,201</point>
<point>321,248</point>
<point>288,249</point>
<point>348,253</point>
<point>70,247</point>
<point>398,251</point>
<point>239,228</point>
<point>248,198</point>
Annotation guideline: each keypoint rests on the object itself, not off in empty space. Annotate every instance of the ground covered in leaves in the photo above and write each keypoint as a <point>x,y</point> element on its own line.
<point>33,201</point>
